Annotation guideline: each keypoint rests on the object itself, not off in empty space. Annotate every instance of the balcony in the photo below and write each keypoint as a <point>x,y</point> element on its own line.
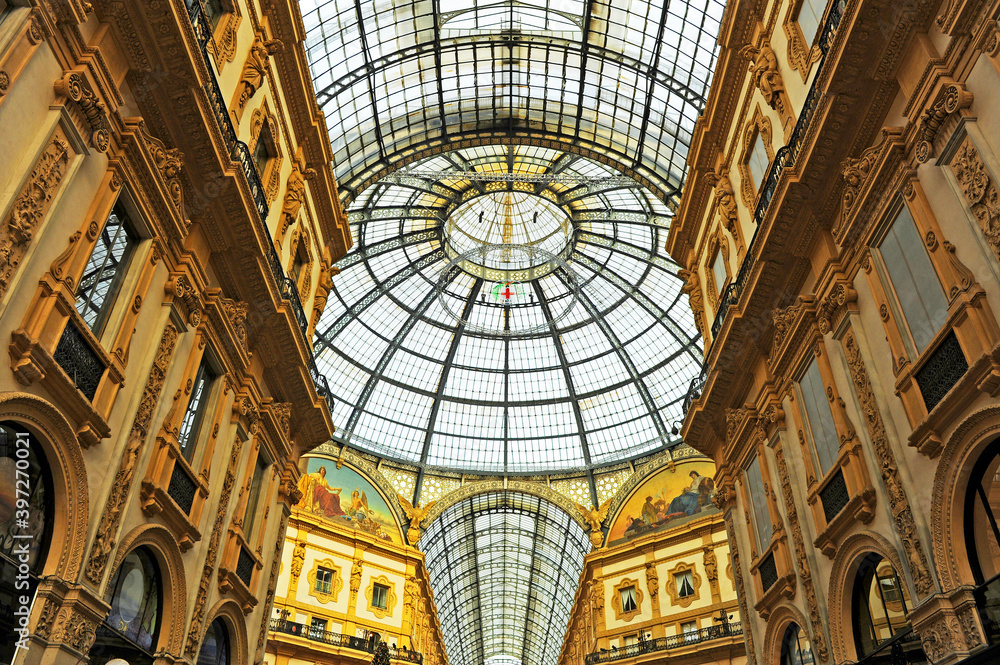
<point>359,644</point>
<point>903,649</point>
<point>666,643</point>
<point>239,152</point>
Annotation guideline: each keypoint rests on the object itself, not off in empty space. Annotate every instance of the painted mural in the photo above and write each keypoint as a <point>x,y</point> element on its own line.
<point>345,497</point>
<point>668,498</point>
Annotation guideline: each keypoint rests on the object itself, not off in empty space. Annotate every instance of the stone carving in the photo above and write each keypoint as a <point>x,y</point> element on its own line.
<point>711,567</point>
<point>269,599</point>
<point>198,615</point>
<point>692,287</point>
<point>254,71</point>
<point>802,561</point>
<point>953,98</point>
<point>416,514</point>
<point>652,580</point>
<point>765,75</point>
<point>323,289</point>
<point>298,559</point>
<point>783,320</point>
<point>168,161</point>
<point>596,596</point>
<point>236,312</point>
<point>594,517</point>
<point>968,620</point>
<point>740,590</point>
<point>122,483</point>
<point>980,192</point>
<point>43,627</point>
<point>356,577</point>
<point>74,87</point>
<point>902,515</point>
<point>938,639</point>
<point>283,414</point>
<point>295,196</point>
<point>856,172</point>
<point>75,630</point>
<point>180,287</point>
<point>831,307</point>
<point>30,207</point>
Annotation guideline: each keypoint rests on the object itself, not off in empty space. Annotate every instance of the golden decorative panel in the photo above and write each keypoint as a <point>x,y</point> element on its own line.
<point>390,601</point>
<point>335,585</point>
<point>671,585</point>
<point>616,601</point>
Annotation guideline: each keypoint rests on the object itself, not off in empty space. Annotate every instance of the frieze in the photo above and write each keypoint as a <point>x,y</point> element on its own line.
<point>980,192</point>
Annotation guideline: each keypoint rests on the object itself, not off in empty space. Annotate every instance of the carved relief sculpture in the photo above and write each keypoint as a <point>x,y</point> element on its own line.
<point>692,287</point>
<point>980,192</point>
<point>254,72</point>
<point>295,195</point>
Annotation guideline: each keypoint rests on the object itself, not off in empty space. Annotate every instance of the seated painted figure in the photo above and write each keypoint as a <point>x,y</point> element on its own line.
<point>694,498</point>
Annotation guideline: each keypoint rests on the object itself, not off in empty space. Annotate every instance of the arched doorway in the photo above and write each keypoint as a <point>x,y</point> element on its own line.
<point>795,647</point>
<point>215,647</point>
<point>982,535</point>
<point>132,627</point>
<point>26,516</point>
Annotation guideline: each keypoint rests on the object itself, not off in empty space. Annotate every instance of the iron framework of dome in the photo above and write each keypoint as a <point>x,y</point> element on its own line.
<point>440,357</point>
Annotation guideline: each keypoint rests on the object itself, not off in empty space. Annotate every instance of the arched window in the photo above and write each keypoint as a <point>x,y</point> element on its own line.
<point>215,648</point>
<point>982,515</point>
<point>795,647</point>
<point>879,604</point>
<point>24,536</point>
<point>131,627</point>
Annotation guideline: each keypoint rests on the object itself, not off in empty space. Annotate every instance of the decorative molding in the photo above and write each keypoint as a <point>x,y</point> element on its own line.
<point>758,124</point>
<point>254,72</point>
<point>951,99</point>
<point>671,585</point>
<point>272,579</point>
<point>31,206</point>
<point>104,541</point>
<point>90,112</point>
<point>168,161</point>
<point>616,599</point>
<point>336,584</point>
<point>741,594</point>
<point>390,596</point>
<point>898,502</point>
<point>980,192</point>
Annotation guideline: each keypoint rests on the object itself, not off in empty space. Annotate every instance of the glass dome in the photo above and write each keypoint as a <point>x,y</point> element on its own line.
<point>507,309</point>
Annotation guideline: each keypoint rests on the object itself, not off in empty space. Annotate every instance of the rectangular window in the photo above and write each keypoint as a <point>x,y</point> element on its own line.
<point>684,584</point>
<point>103,274</point>
<point>380,596</point>
<point>253,499</point>
<point>324,580</point>
<point>822,431</point>
<point>719,271</point>
<point>690,631</point>
<point>628,599</point>
<point>187,436</point>
<point>262,151</point>
<point>809,18</point>
<point>758,161</point>
<point>758,502</point>
<point>317,626</point>
<point>914,280</point>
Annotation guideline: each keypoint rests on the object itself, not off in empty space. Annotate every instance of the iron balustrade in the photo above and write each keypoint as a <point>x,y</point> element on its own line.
<point>901,649</point>
<point>182,488</point>
<point>785,157</point>
<point>732,629</point>
<point>944,367</point>
<point>79,360</point>
<point>834,496</point>
<point>694,388</point>
<point>768,570</point>
<point>341,640</point>
<point>240,152</point>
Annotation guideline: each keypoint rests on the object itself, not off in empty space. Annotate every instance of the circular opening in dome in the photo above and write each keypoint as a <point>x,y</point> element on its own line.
<point>509,218</point>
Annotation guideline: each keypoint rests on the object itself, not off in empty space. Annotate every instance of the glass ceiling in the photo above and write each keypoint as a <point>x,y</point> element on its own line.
<point>504,568</point>
<point>573,356</point>
<point>623,79</point>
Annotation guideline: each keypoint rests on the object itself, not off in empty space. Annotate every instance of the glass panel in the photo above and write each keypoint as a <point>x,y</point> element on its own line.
<point>822,430</point>
<point>135,599</point>
<point>879,604</point>
<point>187,435</point>
<point>758,162</point>
<point>628,599</point>
<point>380,596</point>
<point>213,11</point>
<point>685,587</point>
<point>253,500</point>
<point>982,520</point>
<point>324,580</point>
<point>215,648</point>
<point>796,648</point>
<point>810,17</point>
<point>103,273</point>
<point>914,280</point>
<point>262,151</point>
<point>758,500</point>
<point>719,271</point>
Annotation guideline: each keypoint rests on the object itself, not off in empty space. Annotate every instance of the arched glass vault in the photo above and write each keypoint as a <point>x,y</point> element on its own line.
<point>568,345</point>
<point>504,567</point>
<point>622,79</point>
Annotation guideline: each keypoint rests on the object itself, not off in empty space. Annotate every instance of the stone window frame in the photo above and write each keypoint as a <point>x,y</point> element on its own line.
<point>759,124</point>
<point>801,54</point>
<point>390,600</point>
<point>222,45</point>
<point>616,600</point>
<point>675,597</point>
<point>716,245</point>
<point>336,584</point>
<point>270,179</point>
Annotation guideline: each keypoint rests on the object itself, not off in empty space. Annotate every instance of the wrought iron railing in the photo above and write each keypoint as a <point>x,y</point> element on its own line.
<point>902,649</point>
<point>182,488</point>
<point>768,570</point>
<point>245,566</point>
<point>834,496</point>
<point>694,388</point>
<point>341,640</point>
<point>240,152</point>
<point>79,360</point>
<point>734,629</point>
<point>987,597</point>
<point>785,157</point>
<point>945,366</point>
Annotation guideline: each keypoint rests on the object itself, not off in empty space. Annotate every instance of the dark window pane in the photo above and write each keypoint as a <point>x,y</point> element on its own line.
<point>104,270</point>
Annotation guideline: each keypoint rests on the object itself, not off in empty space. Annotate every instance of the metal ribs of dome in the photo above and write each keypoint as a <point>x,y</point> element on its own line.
<point>417,385</point>
<point>627,81</point>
